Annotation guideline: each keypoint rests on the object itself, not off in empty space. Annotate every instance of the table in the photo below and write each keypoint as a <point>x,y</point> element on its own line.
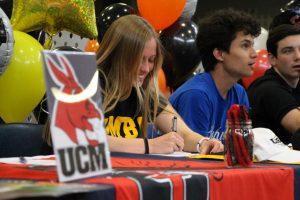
<point>158,177</point>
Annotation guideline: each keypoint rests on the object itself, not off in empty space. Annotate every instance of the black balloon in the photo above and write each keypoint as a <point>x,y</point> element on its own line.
<point>107,16</point>
<point>182,55</point>
<point>101,4</point>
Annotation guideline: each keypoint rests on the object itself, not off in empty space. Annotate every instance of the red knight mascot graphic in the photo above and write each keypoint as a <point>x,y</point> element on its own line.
<point>77,116</point>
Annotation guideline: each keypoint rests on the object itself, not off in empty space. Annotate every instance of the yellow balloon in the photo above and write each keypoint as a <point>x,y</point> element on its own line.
<point>22,85</point>
<point>52,16</point>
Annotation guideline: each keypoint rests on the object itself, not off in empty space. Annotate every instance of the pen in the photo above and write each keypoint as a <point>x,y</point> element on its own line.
<point>174,124</point>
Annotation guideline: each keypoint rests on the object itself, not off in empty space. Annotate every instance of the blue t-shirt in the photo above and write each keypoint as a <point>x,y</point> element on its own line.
<point>202,107</point>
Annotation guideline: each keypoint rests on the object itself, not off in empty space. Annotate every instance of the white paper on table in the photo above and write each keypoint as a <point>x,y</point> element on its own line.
<point>178,154</point>
<point>35,160</point>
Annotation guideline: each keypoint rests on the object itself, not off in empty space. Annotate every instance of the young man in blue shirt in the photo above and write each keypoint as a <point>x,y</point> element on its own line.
<point>225,41</point>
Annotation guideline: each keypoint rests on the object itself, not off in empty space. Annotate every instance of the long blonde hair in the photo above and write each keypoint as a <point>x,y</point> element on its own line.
<point>119,58</point>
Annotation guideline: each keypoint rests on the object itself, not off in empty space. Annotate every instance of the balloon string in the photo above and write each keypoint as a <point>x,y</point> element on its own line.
<point>49,42</point>
<point>40,35</point>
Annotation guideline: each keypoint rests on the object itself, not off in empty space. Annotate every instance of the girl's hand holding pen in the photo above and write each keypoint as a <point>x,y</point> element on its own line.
<point>167,143</point>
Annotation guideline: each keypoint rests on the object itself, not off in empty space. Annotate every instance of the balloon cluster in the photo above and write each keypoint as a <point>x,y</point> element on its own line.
<point>21,77</point>
<point>21,80</point>
<point>178,37</point>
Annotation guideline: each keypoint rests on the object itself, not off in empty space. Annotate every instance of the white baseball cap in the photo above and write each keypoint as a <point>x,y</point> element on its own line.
<point>267,146</point>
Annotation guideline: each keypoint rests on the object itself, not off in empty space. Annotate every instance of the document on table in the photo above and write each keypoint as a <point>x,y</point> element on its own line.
<point>178,154</point>
<point>35,160</point>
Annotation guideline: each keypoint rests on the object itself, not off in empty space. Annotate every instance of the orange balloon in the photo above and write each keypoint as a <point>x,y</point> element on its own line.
<point>162,83</point>
<point>161,13</point>
<point>260,66</point>
<point>91,46</point>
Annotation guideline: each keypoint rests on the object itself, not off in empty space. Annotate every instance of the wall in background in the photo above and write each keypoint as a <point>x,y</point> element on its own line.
<point>262,10</point>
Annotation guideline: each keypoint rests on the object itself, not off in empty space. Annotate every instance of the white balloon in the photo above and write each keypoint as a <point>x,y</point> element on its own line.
<point>261,41</point>
<point>189,10</point>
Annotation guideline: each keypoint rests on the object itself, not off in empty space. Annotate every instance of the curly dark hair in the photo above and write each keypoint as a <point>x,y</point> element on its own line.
<point>219,29</point>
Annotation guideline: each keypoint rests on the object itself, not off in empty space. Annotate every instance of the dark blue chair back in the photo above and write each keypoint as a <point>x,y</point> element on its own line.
<point>22,139</point>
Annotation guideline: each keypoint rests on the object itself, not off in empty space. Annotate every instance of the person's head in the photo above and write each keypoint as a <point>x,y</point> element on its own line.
<point>130,55</point>
<point>283,45</point>
<point>218,31</point>
<point>121,53</point>
<point>279,33</point>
